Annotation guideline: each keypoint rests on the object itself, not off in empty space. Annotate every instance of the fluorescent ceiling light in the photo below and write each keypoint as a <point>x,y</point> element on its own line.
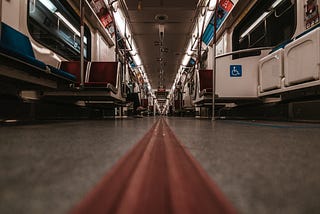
<point>137,60</point>
<point>208,17</point>
<point>254,24</point>
<point>48,4</point>
<point>212,4</point>
<point>120,20</point>
<point>185,60</point>
<point>134,50</point>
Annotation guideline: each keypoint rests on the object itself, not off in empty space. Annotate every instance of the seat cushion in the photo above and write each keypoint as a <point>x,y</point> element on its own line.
<point>5,49</point>
<point>16,40</point>
<point>62,73</point>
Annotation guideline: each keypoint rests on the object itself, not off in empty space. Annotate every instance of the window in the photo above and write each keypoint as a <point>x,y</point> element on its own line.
<point>268,24</point>
<point>55,25</point>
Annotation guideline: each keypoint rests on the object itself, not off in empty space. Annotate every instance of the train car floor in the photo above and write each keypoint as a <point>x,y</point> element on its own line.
<point>48,168</point>
<point>260,167</point>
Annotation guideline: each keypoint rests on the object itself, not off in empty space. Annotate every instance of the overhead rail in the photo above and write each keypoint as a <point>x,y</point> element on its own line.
<point>244,51</point>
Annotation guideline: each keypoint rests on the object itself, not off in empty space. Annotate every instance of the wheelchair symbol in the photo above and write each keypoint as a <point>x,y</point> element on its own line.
<point>235,70</point>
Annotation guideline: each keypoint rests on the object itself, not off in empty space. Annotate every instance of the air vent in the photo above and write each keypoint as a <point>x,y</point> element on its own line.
<point>161,17</point>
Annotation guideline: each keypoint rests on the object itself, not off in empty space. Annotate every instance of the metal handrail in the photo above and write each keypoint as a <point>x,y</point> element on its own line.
<point>244,51</point>
<point>0,17</point>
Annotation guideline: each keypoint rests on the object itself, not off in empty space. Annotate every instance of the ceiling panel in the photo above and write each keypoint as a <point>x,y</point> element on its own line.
<point>183,4</point>
<point>145,28</point>
<point>174,15</point>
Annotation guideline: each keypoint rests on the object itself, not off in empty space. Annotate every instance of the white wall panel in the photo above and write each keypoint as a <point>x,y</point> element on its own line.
<point>302,58</point>
<point>271,71</point>
<point>11,12</point>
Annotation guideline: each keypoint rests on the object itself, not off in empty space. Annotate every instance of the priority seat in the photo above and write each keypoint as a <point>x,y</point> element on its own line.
<point>103,75</point>
<point>205,77</point>
<point>17,47</point>
<point>74,68</point>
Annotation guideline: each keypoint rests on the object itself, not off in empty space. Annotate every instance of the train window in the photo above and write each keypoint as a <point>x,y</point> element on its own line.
<point>54,24</point>
<point>268,24</point>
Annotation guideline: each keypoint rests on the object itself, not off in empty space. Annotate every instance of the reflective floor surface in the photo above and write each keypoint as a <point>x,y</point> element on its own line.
<point>261,167</point>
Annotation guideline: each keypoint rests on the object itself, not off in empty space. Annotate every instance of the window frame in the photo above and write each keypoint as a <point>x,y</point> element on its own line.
<point>265,40</point>
<point>69,54</point>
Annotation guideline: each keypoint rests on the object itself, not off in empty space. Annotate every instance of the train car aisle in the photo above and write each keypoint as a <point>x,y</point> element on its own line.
<point>157,176</point>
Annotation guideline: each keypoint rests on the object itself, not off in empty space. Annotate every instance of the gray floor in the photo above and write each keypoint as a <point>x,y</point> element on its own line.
<point>48,168</point>
<point>262,167</point>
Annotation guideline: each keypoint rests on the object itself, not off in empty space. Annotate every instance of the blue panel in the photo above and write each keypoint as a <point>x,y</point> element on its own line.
<point>208,34</point>
<point>209,31</point>
<point>18,55</point>
<point>132,64</point>
<point>307,31</point>
<point>16,40</point>
<point>62,73</point>
<point>191,62</point>
<point>235,70</point>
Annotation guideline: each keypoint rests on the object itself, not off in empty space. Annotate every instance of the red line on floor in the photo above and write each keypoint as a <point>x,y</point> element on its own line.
<point>157,176</point>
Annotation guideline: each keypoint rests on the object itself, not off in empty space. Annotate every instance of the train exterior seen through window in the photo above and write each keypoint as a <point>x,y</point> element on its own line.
<point>70,59</point>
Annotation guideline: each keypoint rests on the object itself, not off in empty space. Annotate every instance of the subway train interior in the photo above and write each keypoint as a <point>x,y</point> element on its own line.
<point>160,106</point>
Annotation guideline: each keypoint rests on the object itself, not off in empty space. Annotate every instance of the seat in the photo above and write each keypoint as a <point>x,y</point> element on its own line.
<point>205,77</point>
<point>103,75</point>
<point>16,45</point>
<point>74,68</point>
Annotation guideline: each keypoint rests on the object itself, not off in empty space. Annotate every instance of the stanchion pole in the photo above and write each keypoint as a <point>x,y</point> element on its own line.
<point>82,41</point>
<point>214,67</point>
<point>0,17</point>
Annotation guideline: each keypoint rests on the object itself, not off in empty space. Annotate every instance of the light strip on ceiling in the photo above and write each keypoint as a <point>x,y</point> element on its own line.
<point>120,22</point>
<point>212,4</point>
<point>185,60</point>
<point>137,59</point>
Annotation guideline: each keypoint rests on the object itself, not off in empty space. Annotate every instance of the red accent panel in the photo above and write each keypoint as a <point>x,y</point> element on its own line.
<point>177,104</point>
<point>226,4</point>
<point>157,176</point>
<point>205,79</point>
<point>74,67</point>
<point>102,73</point>
<point>144,103</point>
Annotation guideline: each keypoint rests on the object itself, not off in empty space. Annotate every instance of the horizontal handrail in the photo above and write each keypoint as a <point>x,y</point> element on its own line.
<point>244,51</point>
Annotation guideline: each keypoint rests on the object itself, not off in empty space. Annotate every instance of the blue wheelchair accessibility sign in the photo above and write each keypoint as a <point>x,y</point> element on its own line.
<point>235,70</point>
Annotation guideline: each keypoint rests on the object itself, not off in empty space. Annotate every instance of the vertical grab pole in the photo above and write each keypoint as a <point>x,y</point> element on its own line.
<point>0,17</point>
<point>82,41</point>
<point>214,67</point>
